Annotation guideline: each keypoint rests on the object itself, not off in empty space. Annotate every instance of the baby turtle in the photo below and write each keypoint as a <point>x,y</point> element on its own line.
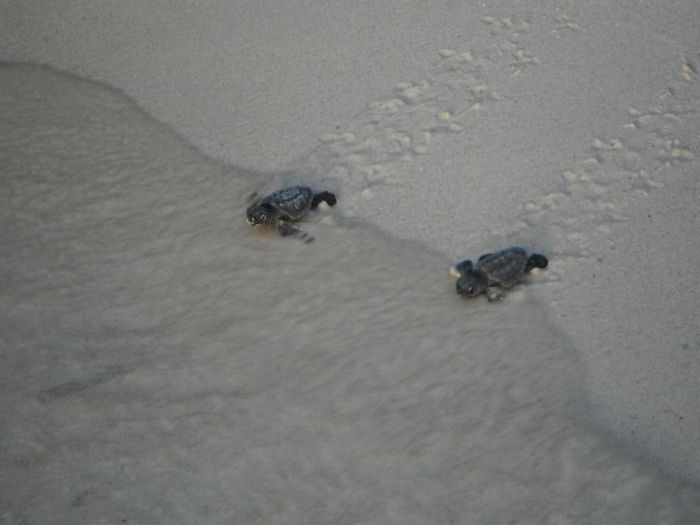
<point>286,205</point>
<point>495,271</point>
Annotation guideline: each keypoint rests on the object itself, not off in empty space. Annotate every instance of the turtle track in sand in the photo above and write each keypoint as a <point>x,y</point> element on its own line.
<point>393,132</point>
<point>577,222</point>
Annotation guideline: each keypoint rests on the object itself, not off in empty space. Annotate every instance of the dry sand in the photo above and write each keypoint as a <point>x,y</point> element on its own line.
<point>162,363</point>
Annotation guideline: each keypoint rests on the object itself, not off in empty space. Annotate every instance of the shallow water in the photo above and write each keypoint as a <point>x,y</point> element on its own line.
<point>163,362</point>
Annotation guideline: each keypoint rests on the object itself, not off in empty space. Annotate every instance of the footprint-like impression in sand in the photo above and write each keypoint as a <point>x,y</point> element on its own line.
<point>579,220</point>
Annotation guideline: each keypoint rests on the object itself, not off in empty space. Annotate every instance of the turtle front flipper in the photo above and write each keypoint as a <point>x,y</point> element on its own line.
<point>458,269</point>
<point>286,229</point>
<point>494,294</point>
<point>485,256</point>
<point>324,196</point>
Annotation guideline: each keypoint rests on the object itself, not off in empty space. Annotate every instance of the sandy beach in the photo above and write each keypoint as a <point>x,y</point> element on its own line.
<point>163,363</point>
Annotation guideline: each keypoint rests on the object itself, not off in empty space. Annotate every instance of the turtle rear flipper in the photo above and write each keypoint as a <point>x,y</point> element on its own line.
<point>286,229</point>
<point>536,261</point>
<point>324,196</point>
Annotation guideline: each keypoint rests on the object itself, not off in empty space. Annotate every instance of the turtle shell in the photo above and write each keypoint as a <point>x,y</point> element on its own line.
<point>505,267</point>
<point>292,202</point>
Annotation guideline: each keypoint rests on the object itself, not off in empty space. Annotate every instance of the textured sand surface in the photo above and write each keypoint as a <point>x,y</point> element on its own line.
<point>571,130</point>
<point>163,363</point>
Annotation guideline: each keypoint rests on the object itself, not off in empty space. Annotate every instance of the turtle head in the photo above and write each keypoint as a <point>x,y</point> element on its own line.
<point>537,261</point>
<point>261,214</point>
<point>472,283</point>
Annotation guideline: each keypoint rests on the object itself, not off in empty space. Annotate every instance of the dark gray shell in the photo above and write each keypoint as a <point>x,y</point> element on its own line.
<point>291,202</point>
<point>504,268</point>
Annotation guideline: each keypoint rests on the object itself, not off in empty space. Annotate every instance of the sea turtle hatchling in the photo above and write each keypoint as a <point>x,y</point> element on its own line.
<point>496,271</point>
<point>286,205</point>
